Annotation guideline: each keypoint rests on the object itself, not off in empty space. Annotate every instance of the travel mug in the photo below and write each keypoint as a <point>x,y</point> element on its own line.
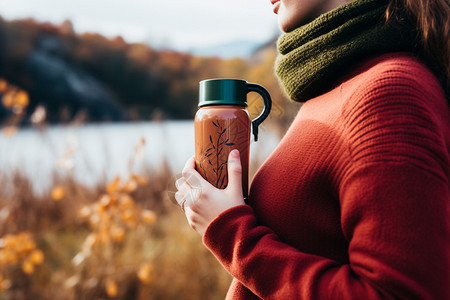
<point>222,124</point>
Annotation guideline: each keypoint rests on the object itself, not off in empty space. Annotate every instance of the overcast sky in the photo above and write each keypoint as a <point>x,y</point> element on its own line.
<point>182,24</point>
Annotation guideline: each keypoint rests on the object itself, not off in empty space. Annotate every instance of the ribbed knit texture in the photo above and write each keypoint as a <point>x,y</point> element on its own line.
<point>313,56</point>
<point>354,202</point>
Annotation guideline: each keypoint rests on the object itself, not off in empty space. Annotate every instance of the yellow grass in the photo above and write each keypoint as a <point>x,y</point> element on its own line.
<point>149,253</point>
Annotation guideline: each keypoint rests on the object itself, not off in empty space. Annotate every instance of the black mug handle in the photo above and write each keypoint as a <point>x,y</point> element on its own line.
<point>253,87</point>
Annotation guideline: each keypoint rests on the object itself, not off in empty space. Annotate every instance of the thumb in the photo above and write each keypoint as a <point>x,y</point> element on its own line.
<point>235,172</point>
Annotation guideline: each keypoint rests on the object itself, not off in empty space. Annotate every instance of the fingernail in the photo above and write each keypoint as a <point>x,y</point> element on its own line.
<point>235,154</point>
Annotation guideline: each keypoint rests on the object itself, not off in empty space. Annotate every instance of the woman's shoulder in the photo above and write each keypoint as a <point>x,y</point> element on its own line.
<point>396,61</point>
<point>394,108</point>
<point>394,77</point>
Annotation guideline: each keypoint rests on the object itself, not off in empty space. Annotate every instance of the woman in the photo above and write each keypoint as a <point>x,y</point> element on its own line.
<point>354,202</point>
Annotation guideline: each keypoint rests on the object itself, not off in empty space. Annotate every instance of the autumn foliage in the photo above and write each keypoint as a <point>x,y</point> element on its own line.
<point>145,82</point>
<point>119,240</point>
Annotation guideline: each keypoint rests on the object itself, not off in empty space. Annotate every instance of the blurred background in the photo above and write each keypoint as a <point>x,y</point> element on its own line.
<point>96,119</point>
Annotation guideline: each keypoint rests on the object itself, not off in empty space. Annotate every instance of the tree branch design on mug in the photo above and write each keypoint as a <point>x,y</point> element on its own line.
<point>215,149</point>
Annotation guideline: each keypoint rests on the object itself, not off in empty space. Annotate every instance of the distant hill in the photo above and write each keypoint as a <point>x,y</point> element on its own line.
<point>108,79</point>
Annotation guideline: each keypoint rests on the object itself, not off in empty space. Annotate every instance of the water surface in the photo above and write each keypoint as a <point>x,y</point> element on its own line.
<point>99,152</point>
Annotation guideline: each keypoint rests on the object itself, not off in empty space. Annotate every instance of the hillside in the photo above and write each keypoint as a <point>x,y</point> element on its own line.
<point>103,79</point>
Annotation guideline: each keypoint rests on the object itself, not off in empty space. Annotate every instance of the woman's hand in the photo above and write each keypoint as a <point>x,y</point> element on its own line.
<point>201,201</point>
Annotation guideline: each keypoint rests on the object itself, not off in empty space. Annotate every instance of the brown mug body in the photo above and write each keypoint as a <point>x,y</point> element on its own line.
<point>218,130</point>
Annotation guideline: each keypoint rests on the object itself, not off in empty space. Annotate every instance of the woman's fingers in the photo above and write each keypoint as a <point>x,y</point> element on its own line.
<point>180,183</point>
<point>193,178</point>
<point>186,194</point>
<point>186,200</point>
<point>234,172</point>
<point>189,167</point>
<point>190,175</point>
<point>189,186</point>
<point>179,197</point>
<point>201,201</point>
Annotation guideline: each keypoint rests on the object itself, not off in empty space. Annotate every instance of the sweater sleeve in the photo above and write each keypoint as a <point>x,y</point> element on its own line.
<point>395,211</point>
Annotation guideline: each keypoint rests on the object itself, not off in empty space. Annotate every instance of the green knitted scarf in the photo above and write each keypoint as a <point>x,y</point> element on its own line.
<point>312,57</point>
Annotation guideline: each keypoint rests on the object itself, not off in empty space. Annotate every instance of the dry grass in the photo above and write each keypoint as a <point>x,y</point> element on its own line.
<point>159,259</point>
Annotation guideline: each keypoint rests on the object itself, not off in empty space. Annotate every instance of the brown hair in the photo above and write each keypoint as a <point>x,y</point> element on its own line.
<point>431,20</point>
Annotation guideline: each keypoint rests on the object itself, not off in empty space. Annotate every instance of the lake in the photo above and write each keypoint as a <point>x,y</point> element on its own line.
<point>94,153</point>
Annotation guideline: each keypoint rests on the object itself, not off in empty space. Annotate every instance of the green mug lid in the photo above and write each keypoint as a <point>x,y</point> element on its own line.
<point>222,91</point>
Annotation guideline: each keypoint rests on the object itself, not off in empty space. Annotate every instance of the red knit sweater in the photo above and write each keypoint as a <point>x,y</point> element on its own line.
<point>354,202</point>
